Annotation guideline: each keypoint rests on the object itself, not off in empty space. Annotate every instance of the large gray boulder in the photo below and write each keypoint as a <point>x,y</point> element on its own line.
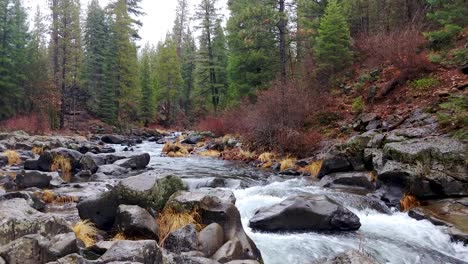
<point>112,139</point>
<point>182,240</point>
<point>72,155</point>
<point>215,206</point>
<point>18,219</point>
<point>305,212</point>
<point>146,191</point>
<point>211,238</point>
<point>134,221</point>
<point>112,170</point>
<point>231,250</point>
<point>28,179</point>
<point>136,162</point>
<point>360,181</point>
<point>143,251</point>
<point>91,162</point>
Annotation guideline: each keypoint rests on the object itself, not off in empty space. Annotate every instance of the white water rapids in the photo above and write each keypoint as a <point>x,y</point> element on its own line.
<point>395,238</point>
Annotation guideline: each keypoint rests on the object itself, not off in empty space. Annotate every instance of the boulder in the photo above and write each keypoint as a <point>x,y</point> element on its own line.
<point>211,238</point>
<point>348,180</point>
<point>136,162</point>
<point>136,222</point>
<point>72,155</point>
<point>72,259</point>
<point>305,212</point>
<point>215,206</point>
<point>334,164</point>
<point>246,261</point>
<point>18,219</point>
<point>146,191</point>
<point>29,197</point>
<point>192,139</point>
<point>45,161</point>
<point>112,139</point>
<point>182,240</point>
<point>351,257</point>
<point>170,258</point>
<point>231,250</point>
<point>143,251</point>
<point>28,179</point>
<point>31,164</point>
<point>91,162</point>
<point>3,160</point>
<point>112,170</point>
<point>29,249</point>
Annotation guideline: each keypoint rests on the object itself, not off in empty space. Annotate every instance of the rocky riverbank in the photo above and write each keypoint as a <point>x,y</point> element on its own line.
<point>88,200</point>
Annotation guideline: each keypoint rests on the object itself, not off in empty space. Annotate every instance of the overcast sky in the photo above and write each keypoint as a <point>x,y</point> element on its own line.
<point>159,18</point>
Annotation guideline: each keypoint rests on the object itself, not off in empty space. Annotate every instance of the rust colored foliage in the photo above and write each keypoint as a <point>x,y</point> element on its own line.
<point>32,124</point>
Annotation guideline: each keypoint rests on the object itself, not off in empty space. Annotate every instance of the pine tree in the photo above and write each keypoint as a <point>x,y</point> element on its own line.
<point>253,49</point>
<point>13,56</point>
<point>169,80</point>
<point>147,86</point>
<point>188,57</point>
<point>66,52</point>
<point>126,66</point>
<point>207,16</point>
<point>332,50</point>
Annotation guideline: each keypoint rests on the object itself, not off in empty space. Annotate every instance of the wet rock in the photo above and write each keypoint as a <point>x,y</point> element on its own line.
<point>18,219</point>
<point>354,180</point>
<point>31,164</point>
<point>29,197</point>
<point>146,191</point>
<point>3,160</point>
<point>45,161</point>
<point>351,257</point>
<point>72,259</point>
<point>28,179</point>
<point>182,240</point>
<point>211,238</point>
<point>135,221</point>
<point>231,250</point>
<point>143,251</point>
<point>62,245</point>
<point>72,155</point>
<point>192,139</point>
<point>29,249</point>
<point>92,162</point>
<point>192,199</point>
<point>112,139</point>
<point>112,170</point>
<point>334,164</point>
<point>170,258</point>
<point>216,207</point>
<point>360,202</point>
<point>136,162</point>
<point>305,212</point>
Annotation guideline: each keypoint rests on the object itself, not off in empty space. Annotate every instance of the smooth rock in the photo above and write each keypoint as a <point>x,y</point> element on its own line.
<point>211,238</point>
<point>351,257</point>
<point>305,212</point>
<point>136,162</point>
<point>28,179</point>
<point>144,251</point>
<point>182,240</point>
<point>135,221</point>
<point>112,139</point>
<point>112,170</point>
<point>231,250</point>
<point>355,180</point>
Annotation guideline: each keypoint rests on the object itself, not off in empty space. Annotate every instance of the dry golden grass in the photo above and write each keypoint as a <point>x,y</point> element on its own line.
<point>314,168</point>
<point>200,144</point>
<point>66,199</point>
<point>47,196</point>
<point>267,165</point>
<point>13,157</point>
<point>174,150</point>
<point>210,153</point>
<point>64,165</point>
<point>287,163</point>
<point>170,220</point>
<point>119,236</point>
<point>247,155</point>
<point>373,175</point>
<point>408,202</point>
<point>266,157</point>
<point>86,232</point>
<point>38,150</point>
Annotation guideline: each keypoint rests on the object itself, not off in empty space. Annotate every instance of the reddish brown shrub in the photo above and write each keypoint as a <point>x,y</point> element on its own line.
<point>276,122</point>
<point>401,48</point>
<point>32,124</point>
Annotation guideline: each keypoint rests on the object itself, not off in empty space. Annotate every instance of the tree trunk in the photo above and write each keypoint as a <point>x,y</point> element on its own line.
<point>282,30</point>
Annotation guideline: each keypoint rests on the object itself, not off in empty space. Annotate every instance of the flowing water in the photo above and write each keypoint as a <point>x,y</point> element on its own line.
<point>389,238</point>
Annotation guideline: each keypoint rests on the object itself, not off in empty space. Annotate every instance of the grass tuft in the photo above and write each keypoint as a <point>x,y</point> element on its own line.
<point>373,175</point>
<point>287,163</point>
<point>408,202</point>
<point>13,157</point>
<point>38,150</point>
<point>314,168</point>
<point>210,153</point>
<point>170,220</point>
<point>176,150</point>
<point>86,232</point>
<point>119,236</point>
<point>266,157</point>
<point>64,165</point>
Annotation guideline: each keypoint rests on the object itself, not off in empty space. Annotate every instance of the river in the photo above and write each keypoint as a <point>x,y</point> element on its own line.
<point>389,238</point>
